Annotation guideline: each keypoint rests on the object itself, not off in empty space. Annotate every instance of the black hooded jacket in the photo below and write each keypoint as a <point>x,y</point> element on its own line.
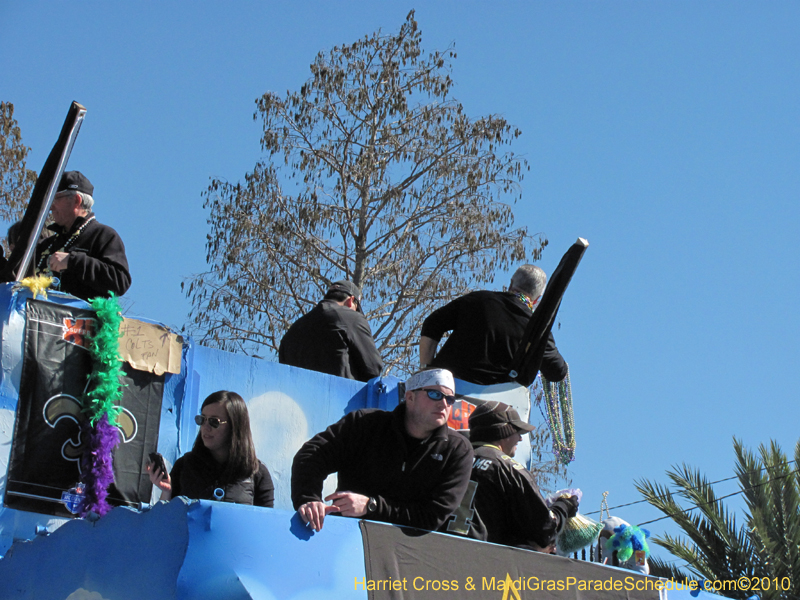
<point>332,339</point>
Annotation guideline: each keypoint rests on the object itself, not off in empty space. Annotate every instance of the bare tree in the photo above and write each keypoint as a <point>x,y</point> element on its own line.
<point>372,173</point>
<point>16,180</point>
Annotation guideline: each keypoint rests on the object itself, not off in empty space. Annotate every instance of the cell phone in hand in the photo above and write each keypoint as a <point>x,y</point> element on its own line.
<point>158,462</point>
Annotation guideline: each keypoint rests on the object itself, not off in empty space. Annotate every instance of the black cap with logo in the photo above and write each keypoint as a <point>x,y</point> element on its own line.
<point>75,181</point>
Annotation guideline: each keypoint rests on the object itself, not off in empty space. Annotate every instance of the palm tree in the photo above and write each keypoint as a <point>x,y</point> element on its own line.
<point>716,548</point>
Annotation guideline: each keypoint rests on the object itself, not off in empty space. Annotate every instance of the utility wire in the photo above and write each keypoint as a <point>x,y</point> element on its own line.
<point>691,508</point>
<point>594,512</point>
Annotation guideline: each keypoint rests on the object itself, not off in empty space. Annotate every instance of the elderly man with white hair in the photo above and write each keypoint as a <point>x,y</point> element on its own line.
<point>87,257</point>
<point>404,467</point>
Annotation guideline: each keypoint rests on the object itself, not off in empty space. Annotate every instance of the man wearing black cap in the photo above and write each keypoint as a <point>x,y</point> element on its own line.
<point>503,492</point>
<point>87,257</point>
<point>334,337</point>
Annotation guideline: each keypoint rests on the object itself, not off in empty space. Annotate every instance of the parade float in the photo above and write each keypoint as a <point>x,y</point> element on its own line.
<point>86,394</point>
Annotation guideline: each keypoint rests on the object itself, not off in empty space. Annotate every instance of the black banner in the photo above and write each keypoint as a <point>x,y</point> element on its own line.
<point>403,563</point>
<point>47,446</point>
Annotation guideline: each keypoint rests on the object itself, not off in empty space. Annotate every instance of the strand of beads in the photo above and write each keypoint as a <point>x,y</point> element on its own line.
<point>560,418</point>
<point>528,302</point>
<point>42,267</point>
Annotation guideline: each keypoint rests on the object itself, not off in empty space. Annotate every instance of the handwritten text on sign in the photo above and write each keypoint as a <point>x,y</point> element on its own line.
<point>150,347</point>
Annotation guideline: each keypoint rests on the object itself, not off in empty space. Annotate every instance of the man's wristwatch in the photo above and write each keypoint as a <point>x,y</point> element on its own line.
<point>372,505</point>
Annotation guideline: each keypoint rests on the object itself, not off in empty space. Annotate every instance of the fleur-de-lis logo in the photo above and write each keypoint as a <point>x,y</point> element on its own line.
<point>64,406</point>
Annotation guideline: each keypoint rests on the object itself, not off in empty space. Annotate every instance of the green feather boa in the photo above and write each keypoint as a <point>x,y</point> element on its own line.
<point>104,391</point>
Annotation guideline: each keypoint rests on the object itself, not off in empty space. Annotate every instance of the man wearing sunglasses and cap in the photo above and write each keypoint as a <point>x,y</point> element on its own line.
<point>404,467</point>
<point>510,508</point>
<point>87,258</point>
<point>334,337</point>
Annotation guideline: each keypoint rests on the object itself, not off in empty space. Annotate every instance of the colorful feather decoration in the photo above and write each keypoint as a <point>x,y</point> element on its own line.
<point>101,406</point>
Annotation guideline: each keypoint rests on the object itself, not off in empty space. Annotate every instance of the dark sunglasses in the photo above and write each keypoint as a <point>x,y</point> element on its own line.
<point>436,396</point>
<point>213,422</point>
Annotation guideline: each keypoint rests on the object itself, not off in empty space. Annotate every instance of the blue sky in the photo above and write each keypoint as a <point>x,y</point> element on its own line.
<point>666,133</point>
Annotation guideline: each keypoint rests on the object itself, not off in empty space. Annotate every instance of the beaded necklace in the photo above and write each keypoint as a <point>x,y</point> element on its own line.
<point>558,404</point>
<point>43,268</point>
<point>528,302</point>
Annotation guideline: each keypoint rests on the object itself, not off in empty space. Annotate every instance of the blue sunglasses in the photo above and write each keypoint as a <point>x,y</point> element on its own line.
<point>436,396</point>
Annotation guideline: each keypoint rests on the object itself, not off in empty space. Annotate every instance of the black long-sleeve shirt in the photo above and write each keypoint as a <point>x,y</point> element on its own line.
<point>487,327</point>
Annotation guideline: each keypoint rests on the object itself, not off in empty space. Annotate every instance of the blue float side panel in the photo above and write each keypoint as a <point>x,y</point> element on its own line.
<point>287,405</point>
<point>188,551</point>
<point>125,556</point>
<point>259,553</point>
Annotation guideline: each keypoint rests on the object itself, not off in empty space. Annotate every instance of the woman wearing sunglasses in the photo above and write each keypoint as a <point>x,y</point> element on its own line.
<point>222,464</point>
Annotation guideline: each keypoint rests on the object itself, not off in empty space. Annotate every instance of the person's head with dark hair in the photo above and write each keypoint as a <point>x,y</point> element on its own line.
<point>499,424</point>
<point>225,433</point>
<point>13,235</point>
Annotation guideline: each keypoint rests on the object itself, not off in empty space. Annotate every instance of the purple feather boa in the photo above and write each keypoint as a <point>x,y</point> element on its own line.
<point>97,464</point>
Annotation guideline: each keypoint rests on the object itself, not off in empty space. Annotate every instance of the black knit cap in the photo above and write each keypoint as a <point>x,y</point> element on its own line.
<point>494,421</point>
<point>75,181</point>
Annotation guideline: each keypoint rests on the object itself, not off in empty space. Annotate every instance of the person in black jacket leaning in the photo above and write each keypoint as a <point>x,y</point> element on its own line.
<point>334,337</point>
<point>404,467</point>
<point>88,258</point>
<point>510,509</point>
<point>486,329</point>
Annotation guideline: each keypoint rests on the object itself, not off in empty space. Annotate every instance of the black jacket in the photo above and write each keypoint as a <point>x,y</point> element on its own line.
<point>97,261</point>
<point>369,450</point>
<point>196,475</point>
<point>487,328</point>
<point>510,509</point>
<point>332,339</point>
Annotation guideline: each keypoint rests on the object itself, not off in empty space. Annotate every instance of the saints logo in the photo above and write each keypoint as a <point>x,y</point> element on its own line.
<point>64,406</point>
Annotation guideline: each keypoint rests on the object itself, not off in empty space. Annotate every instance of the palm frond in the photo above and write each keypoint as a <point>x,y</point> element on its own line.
<point>714,545</point>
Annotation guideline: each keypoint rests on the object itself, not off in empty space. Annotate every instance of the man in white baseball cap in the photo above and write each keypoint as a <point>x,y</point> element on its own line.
<point>404,467</point>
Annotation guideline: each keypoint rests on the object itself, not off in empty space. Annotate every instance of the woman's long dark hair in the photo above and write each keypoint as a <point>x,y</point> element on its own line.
<point>242,460</point>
